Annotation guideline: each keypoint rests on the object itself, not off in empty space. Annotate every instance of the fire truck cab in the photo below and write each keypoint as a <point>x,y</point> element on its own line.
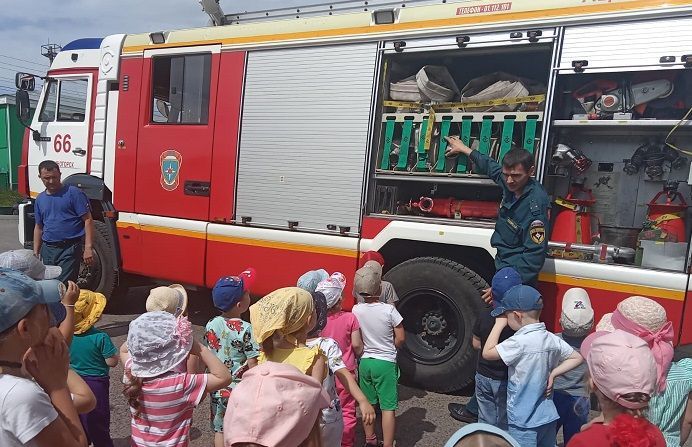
<point>296,143</point>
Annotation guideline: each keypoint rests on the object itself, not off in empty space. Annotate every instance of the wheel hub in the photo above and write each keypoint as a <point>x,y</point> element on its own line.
<point>434,323</point>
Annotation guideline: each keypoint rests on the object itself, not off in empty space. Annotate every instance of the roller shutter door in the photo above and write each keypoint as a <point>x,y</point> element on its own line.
<point>628,46</point>
<point>304,136</point>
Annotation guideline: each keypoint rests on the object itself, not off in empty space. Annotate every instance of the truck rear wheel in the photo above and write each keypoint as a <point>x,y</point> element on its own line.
<point>439,300</point>
<point>101,276</point>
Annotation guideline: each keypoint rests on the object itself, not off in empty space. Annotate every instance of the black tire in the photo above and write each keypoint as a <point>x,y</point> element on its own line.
<point>102,275</point>
<point>440,301</point>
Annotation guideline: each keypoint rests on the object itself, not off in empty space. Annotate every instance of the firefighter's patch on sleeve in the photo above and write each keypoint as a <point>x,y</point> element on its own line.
<point>537,231</point>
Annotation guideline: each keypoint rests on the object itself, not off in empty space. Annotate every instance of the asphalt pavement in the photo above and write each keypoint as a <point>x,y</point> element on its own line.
<point>422,419</point>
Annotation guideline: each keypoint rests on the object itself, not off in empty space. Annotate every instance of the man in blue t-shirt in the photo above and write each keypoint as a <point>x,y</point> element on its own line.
<point>64,230</point>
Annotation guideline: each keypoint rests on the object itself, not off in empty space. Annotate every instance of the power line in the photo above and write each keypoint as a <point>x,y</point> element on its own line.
<point>21,60</point>
<point>21,67</point>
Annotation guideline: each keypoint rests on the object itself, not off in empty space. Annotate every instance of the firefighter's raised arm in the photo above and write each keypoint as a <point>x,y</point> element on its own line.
<point>482,163</point>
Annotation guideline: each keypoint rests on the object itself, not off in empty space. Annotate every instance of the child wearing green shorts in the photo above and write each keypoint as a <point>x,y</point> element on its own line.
<point>383,333</point>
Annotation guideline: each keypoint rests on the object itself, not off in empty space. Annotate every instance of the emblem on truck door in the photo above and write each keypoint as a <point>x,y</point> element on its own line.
<point>171,161</point>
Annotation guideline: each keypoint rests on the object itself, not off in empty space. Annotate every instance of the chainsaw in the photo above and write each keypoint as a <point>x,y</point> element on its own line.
<point>602,98</point>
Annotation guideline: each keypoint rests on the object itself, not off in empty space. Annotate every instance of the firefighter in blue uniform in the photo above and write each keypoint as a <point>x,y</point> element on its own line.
<point>520,236</point>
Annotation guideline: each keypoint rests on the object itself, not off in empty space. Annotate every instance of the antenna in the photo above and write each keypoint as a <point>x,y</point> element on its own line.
<point>50,50</point>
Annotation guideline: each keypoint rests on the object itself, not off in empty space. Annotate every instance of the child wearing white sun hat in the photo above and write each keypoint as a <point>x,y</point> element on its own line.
<point>158,342</point>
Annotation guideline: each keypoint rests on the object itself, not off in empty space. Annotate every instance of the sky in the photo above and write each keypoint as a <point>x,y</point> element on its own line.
<point>25,25</point>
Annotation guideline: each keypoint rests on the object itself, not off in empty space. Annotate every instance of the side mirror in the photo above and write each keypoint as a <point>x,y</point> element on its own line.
<point>25,81</point>
<point>23,107</point>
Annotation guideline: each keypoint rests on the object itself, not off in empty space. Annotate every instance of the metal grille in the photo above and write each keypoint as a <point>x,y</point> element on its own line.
<point>304,136</point>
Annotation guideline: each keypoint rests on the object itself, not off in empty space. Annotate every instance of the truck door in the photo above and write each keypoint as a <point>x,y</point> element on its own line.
<point>63,121</point>
<point>175,139</point>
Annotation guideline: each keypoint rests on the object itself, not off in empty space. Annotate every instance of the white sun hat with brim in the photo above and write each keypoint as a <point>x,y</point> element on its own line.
<point>157,343</point>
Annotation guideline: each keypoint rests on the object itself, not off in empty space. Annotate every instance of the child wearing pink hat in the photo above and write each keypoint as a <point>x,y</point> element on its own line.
<point>623,377</point>
<point>669,409</point>
<point>275,405</point>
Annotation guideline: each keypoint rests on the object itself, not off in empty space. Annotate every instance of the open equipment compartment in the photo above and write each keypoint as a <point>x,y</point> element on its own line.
<point>490,89</point>
<point>618,183</point>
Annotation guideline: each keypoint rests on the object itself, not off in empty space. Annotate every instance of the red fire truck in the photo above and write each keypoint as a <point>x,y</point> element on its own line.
<point>300,139</point>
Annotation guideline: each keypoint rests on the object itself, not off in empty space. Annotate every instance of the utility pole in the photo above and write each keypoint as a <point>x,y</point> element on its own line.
<point>50,50</point>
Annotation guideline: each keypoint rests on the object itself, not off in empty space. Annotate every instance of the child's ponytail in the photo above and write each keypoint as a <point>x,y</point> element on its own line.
<point>268,346</point>
<point>133,393</point>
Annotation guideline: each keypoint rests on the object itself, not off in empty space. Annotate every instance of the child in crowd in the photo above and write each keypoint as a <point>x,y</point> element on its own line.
<point>92,354</point>
<point>534,358</point>
<point>671,408</point>
<point>491,375</point>
<point>26,262</point>
<point>275,405</point>
<point>388,294</point>
<point>280,323</point>
<point>343,328</point>
<point>158,343</point>
<point>37,412</point>
<point>570,395</point>
<point>481,435</point>
<point>332,418</point>
<point>623,378</point>
<point>230,339</point>
<point>383,333</point>
<point>171,299</point>
<point>332,421</point>
<point>309,280</point>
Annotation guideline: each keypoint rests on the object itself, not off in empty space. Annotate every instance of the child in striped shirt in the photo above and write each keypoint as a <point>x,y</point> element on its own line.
<point>161,399</point>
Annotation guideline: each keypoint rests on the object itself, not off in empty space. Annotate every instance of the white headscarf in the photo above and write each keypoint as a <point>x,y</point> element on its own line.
<point>332,288</point>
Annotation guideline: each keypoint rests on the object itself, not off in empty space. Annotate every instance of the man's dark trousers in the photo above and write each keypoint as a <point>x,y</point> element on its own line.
<point>66,254</point>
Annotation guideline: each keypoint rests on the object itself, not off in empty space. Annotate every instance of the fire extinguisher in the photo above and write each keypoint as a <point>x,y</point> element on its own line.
<point>573,222</point>
<point>668,215</point>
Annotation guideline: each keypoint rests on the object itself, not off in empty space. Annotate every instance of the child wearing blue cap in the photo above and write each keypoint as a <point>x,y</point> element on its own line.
<point>230,339</point>
<point>534,358</point>
<point>491,375</point>
<point>38,411</point>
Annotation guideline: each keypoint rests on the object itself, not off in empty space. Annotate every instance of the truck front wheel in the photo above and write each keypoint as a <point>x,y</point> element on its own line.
<point>439,300</point>
<point>101,276</point>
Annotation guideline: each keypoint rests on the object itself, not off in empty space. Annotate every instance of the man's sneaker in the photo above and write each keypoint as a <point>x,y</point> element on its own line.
<point>461,414</point>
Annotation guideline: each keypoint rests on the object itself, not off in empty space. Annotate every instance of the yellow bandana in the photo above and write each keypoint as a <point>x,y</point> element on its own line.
<point>284,311</point>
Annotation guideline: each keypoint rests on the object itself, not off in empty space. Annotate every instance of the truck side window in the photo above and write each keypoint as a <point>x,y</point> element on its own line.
<point>73,100</point>
<point>50,102</point>
<point>180,93</point>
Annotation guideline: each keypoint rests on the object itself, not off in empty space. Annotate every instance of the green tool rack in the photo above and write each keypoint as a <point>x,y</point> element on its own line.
<point>520,127</point>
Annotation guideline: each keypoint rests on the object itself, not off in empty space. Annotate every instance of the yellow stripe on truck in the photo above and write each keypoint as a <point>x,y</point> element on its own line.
<point>290,246</point>
<point>162,230</point>
<point>284,245</point>
<point>212,35</point>
<point>632,289</point>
